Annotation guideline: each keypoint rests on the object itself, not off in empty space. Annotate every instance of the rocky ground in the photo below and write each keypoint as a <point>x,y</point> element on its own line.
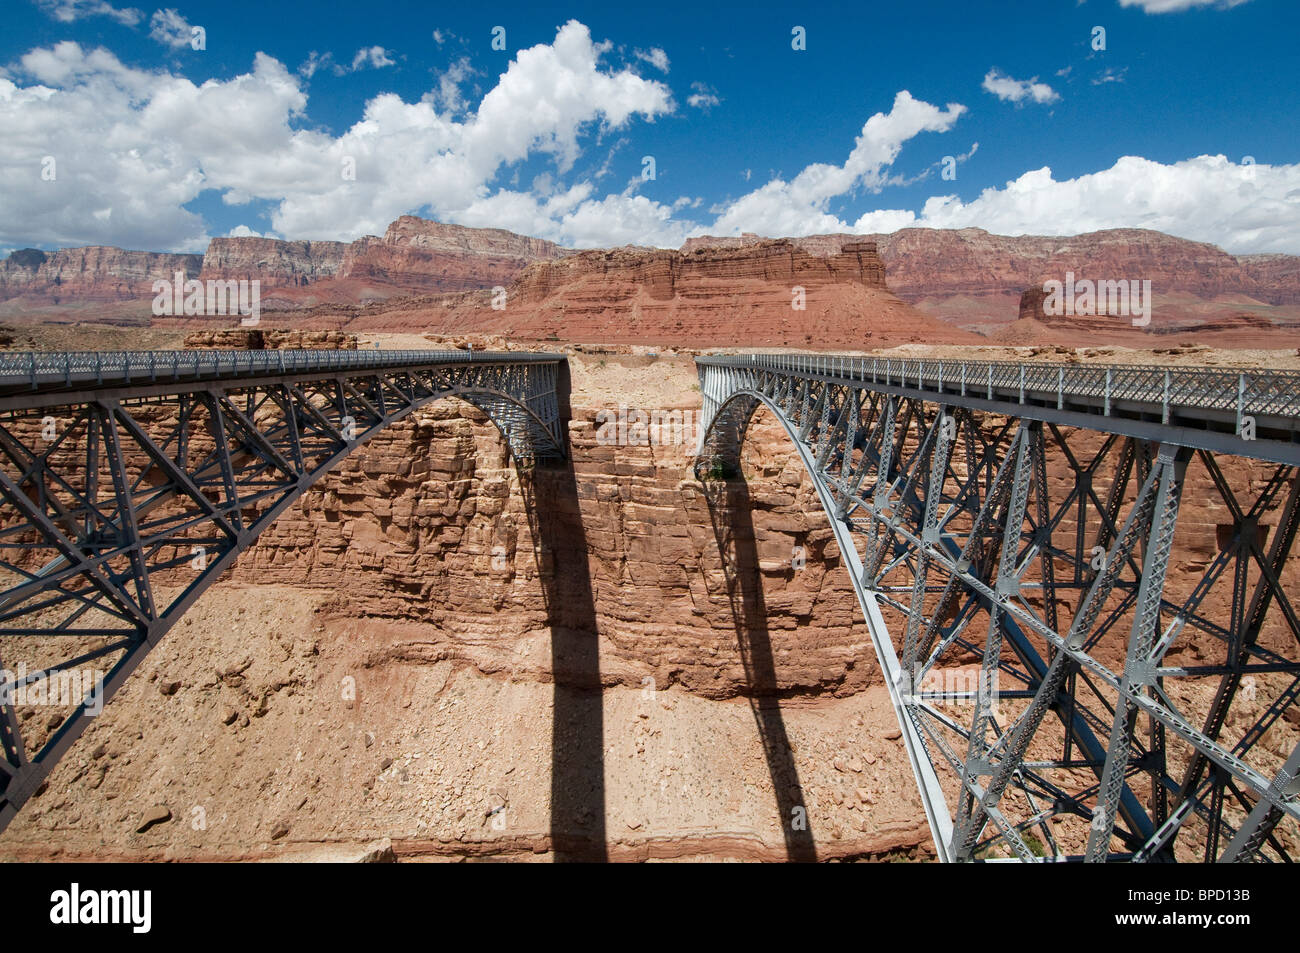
<point>265,751</point>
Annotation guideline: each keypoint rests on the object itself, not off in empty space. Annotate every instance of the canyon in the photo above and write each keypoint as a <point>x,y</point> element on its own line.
<point>441,580</point>
<point>437,656</point>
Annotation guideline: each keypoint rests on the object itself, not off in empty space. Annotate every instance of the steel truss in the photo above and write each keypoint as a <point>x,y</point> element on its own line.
<point>129,482</point>
<point>1076,675</point>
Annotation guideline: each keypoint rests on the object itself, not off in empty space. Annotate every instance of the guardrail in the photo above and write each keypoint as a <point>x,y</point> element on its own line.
<point>1265,392</point>
<point>54,368</point>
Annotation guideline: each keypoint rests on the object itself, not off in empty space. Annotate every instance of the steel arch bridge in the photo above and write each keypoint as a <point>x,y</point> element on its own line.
<point>120,470</point>
<point>1076,674</point>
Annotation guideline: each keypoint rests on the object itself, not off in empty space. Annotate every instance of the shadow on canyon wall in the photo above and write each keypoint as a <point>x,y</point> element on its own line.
<point>577,732</point>
<point>730,511</point>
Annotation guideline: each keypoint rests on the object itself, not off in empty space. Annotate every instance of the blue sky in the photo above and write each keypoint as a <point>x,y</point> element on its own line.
<point>115,130</point>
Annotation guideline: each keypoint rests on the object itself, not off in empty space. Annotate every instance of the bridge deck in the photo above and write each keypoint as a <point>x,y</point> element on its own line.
<point>66,373</point>
<point>1196,406</point>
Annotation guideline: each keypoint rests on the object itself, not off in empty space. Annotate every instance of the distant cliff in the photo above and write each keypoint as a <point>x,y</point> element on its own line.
<point>931,262</point>
<point>423,257</point>
<point>415,256</point>
<point>274,262</point>
<point>93,274</point>
<point>973,278</point>
<point>967,278</point>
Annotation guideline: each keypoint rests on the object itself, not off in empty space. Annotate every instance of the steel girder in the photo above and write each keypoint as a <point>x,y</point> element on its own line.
<point>1076,674</point>
<point>126,491</point>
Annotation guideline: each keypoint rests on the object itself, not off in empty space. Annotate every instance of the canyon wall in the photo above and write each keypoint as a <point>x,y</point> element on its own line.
<point>914,285</point>
<point>431,524</point>
<point>1035,325</point>
<point>415,256</point>
<point>1275,278</point>
<point>664,274</point>
<point>93,274</point>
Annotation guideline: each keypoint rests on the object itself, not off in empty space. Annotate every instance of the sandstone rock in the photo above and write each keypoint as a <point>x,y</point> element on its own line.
<point>1033,316</point>
<point>257,339</point>
<point>417,255</point>
<point>377,852</point>
<point>650,556</point>
<point>925,262</point>
<point>158,814</point>
<point>779,294</point>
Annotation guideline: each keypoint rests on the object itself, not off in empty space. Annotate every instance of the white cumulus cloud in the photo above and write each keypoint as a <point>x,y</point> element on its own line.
<point>132,147</point>
<point>69,11</point>
<point>1177,6</point>
<point>799,207</point>
<point>374,57</point>
<point>703,97</point>
<point>655,57</point>
<point>1017,90</point>
<point>1242,207</point>
<point>169,28</point>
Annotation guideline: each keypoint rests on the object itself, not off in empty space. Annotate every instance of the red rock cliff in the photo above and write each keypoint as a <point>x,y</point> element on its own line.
<point>929,262</point>
<point>275,262</point>
<point>95,273</point>
<point>416,255</point>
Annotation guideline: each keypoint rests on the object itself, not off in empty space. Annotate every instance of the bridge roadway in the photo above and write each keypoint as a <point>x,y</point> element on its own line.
<point>1202,407</point>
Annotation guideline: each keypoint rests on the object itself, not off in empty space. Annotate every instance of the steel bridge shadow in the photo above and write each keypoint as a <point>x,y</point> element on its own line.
<point>577,814</point>
<point>733,528</point>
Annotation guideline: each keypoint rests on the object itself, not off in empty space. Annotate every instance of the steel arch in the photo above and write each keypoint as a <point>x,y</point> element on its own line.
<point>740,407</point>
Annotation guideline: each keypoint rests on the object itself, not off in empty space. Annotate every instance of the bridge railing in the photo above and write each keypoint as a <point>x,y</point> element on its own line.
<point>35,368</point>
<point>1265,392</point>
